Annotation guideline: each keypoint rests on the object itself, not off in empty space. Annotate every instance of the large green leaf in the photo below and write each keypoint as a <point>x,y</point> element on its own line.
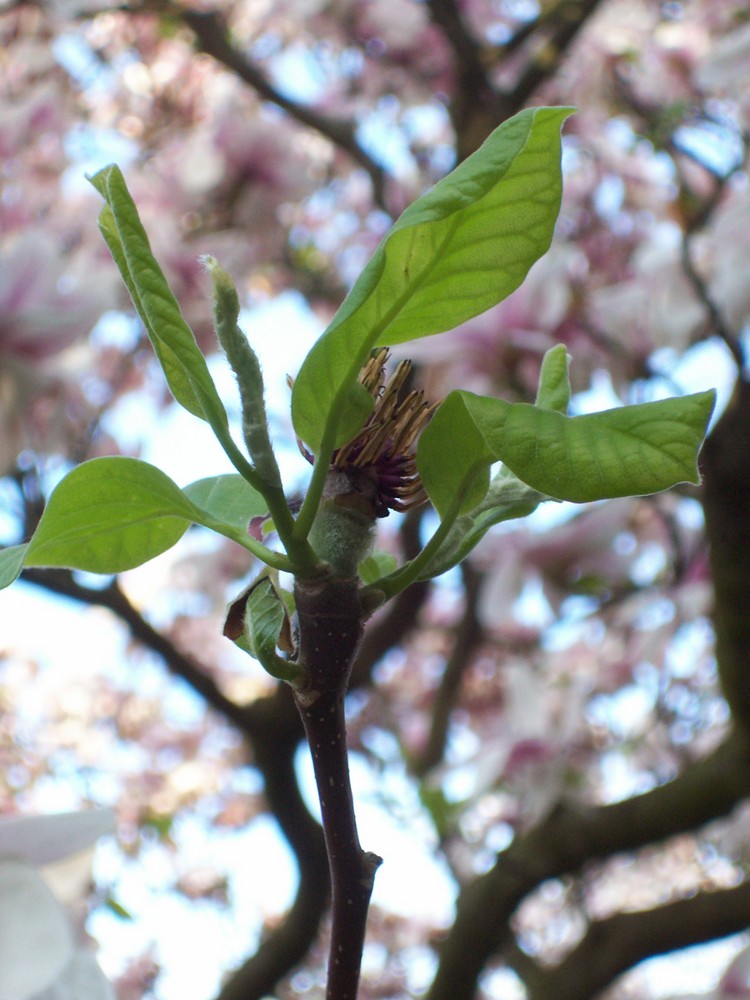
<point>109,515</point>
<point>455,252</point>
<point>184,366</point>
<point>629,451</point>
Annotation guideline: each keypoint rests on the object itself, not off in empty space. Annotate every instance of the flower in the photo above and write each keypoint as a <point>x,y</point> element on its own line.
<point>40,958</point>
<point>380,461</point>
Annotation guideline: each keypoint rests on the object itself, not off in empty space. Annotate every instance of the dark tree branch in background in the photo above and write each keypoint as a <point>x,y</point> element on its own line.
<point>558,29</point>
<point>612,946</point>
<point>477,105</point>
<point>63,582</point>
<point>570,837</point>
<point>468,636</point>
<point>212,38</point>
<point>715,317</point>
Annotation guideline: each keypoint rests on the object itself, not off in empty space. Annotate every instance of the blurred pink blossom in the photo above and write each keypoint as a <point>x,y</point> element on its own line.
<point>47,301</point>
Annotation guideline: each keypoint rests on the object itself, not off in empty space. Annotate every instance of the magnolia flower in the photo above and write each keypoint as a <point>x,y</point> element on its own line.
<point>377,469</point>
<point>40,958</point>
<point>383,451</point>
<point>47,301</point>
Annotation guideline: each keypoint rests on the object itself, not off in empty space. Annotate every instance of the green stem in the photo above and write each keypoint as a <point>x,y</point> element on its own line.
<point>407,574</point>
<point>276,560</point>
<point>315,488</point>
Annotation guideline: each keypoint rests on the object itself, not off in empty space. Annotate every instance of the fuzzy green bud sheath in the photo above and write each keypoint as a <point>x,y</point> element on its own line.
<point>344,527</point>
<point>244,363</point>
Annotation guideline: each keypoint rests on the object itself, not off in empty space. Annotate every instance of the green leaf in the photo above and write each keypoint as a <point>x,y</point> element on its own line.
<point>184,366</point>
<point>454,459</point>
<point>455,252</point>
<point>554,384</point>
<point>377,564</point>
<point>109,515</point>
<point>11,564</point>
<point>629,451</point>
<point>265,620</point>
<point>229,499</point>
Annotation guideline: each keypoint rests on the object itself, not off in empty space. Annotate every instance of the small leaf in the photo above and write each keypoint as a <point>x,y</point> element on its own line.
<point>118,909</point>
<point>109,515</point>
<point>267,627</point>
<point>377,564</point>
<point>184,366</point>
<point>456,251</point>
<point>230,499</point>
<point>554,384</point>
<point>629,451</point>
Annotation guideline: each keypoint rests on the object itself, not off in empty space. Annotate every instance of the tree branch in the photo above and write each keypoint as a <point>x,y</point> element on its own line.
<point>329,630</point>
<point>272,728</point>
<point>561,27</point>
<point>725,464</point>
<point>477,104</point>
<point>212,38</point>
<point>467,638</point>
<point>614,945</point>
<point>62,581</point>
<point>567,839</point>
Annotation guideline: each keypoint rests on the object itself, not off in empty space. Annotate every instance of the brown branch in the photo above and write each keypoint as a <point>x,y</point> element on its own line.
<point>329,631</point>
<point>725,465</point>
<point>566,21</point>
<point>468,636</point>
<point>718,324</point>
<point>477,105</point>
<point>466,49</point>
<point>212,38</point>
<point>570,837</point>
<point>614,945</point>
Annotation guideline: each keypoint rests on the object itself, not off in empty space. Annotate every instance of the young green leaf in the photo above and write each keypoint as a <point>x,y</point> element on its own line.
<point>629,451</point>
<point>461,248</point>
<point>229,499</point>
<point>265,620</point>
<point>376,565</point>
<point>184,366</point>
<point>554,384</point>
